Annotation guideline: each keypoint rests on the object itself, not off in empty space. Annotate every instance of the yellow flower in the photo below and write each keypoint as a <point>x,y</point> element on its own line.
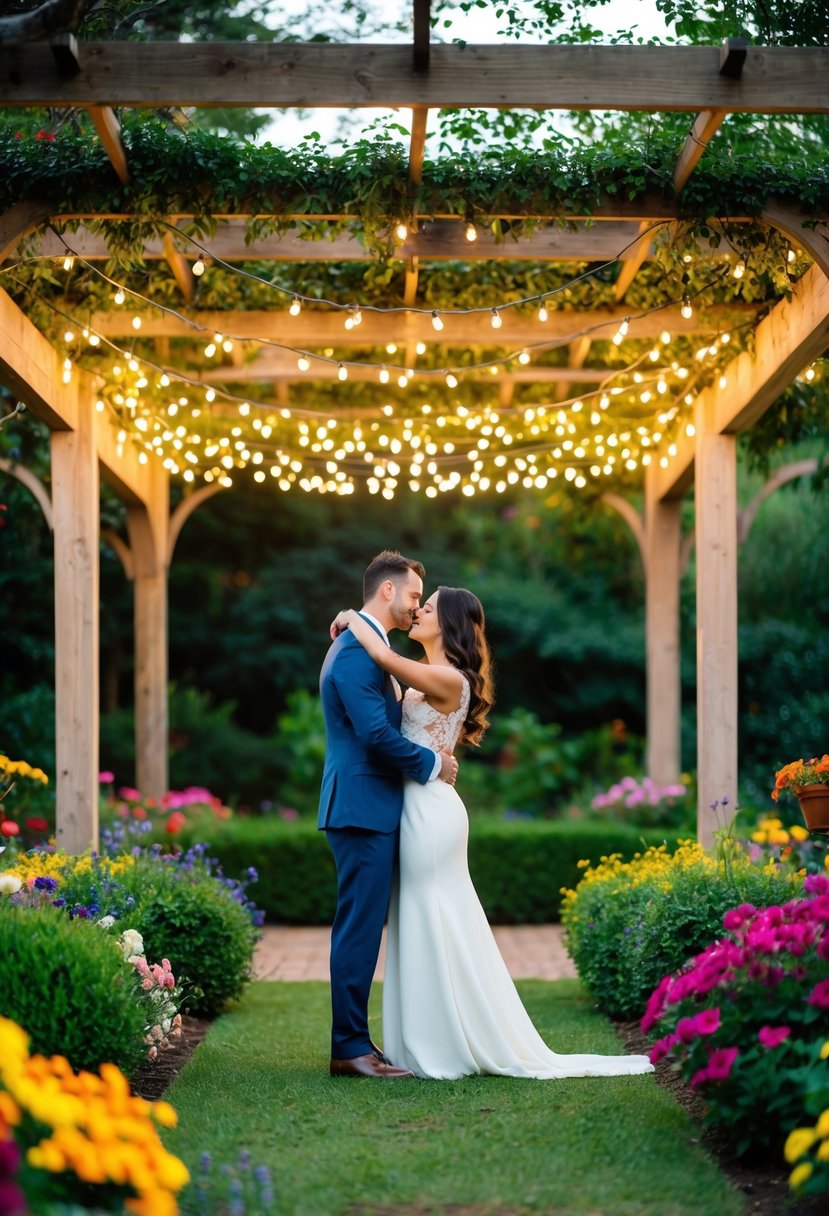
<point>824,1051</point>
<point>823,1151</point>
<point>798,833</point>
<point>822,1127</point>
<point>14,1042</point>
<point>798,1143</point>
<point>800,1174</point>
<point>165,1114</point>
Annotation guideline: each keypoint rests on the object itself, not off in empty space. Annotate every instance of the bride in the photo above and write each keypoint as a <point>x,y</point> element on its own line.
<point>450,1008</point>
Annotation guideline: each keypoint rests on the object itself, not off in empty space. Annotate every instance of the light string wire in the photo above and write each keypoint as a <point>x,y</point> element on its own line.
<point>513,356</point>
<point>304,412</point>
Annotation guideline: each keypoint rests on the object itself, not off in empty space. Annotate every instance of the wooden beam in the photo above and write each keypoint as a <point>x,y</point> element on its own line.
<point>715,501</point>
<point>775,80</point>
<point>801,231</point>
<point>18,222</point>
<point>180,267</point>
<point>661,558</point>
<point>317,328</point>
<point>109,133</point>
<point>185,508</point>
<point>33,484</point>
<point>635,257</point>
<point>795,332</point>
<point>282,366</point>
<point>121,468</point>
<point>75,499</point>
<point>33,370</point>
<point>421,49</point>
<point>435,241</point>
<point>705,127</point>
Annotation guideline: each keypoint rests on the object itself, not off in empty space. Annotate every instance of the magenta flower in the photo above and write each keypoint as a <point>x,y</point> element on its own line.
<point>816,884</point>
<point>773,1036</point>
<point>820,995</point>
<point>708,1021</point>
<point>721,1062</point>
<point>662,1047</point>
<point>106,777</point>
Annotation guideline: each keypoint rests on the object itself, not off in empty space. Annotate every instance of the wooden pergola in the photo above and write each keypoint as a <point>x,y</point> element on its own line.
<point>87,444</point>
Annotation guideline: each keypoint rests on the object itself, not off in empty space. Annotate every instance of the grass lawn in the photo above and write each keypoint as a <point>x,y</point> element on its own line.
<point>481,1146</point>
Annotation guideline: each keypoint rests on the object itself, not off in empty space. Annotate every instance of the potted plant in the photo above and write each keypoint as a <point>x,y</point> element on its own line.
<point>808,780</point>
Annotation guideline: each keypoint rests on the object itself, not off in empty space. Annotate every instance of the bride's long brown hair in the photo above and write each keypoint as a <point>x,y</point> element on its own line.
<point>461,618</point>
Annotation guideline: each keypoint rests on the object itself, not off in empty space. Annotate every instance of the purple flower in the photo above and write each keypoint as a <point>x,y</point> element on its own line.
<point>46,884</point>
<point>820,995</point>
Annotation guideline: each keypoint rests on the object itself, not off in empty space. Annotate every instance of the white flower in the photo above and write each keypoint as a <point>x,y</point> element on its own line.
<point>106,922</point>
<point>9,884</point>
<point>133,943</point>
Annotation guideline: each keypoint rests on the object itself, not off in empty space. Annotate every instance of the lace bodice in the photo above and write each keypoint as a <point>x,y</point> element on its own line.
<point>428,726</point>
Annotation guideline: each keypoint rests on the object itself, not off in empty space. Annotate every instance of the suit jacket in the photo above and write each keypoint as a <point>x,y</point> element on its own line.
<point>366,756</point>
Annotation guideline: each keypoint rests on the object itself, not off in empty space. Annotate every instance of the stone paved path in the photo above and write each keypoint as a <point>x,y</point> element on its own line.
<point>530,952</point>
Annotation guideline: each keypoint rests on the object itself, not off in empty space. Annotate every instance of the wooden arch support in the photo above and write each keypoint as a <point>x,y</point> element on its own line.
<point>813,238</point>
<point>33,484</point>
<point>18,222</point>
<point>633,519</point>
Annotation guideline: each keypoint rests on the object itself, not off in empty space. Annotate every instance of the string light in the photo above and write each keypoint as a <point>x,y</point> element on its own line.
<point>470,231</point>
<point>68,262</point>
<point>401,231</point>
<point>496,321</point>
<point>686,309</point>
<point>739,270</point>
<point>199,268</point>
<point>296,307</point>
<point>342,371</point>
<point>437,321</point>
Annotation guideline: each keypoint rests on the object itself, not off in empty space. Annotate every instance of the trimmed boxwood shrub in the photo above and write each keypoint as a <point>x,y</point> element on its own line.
<point>68,985</point>
<point>518,865</point>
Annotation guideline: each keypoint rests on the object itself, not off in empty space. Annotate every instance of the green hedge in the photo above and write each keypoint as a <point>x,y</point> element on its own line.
<point>518,865</point>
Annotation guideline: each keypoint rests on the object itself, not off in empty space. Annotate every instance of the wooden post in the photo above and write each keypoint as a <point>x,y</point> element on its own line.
<point>661,553</point>
<point>716,549</point>
<point>75,501</point>
<point>148,531</point>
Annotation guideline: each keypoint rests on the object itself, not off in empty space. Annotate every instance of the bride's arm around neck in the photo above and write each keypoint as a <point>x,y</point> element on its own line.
<point>443,685</point>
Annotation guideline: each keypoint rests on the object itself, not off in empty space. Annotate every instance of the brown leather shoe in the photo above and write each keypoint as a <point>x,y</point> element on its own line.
<point>368,1066</point>
<point>376,1051</point>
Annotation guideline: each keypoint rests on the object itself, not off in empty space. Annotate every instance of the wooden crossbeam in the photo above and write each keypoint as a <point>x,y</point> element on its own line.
<point>317,328</point>
<point>706,125</point>
<point>795,332</point>
<point>434,241</point>
<point>775,80</point>
<point>636,256</point>
<point>109,132</point>
<point>282,366</point>
<point>180,267</point>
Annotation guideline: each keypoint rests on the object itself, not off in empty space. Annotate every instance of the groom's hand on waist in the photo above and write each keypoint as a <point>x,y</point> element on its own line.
<point>448,768</point>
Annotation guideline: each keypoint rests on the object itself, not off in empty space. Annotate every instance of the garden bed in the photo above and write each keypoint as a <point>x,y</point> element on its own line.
<point>765,1186</point>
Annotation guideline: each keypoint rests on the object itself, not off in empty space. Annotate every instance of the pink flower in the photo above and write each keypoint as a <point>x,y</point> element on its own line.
<point>708,1021</point>
<point>820,995</point>
<point>106,777</point>
<point>772,1036</point>
<point>816,884</point>
<point>662,1047</point>
<point>129,793</point>
<point>686,1030</point>
<point>721,1062</point>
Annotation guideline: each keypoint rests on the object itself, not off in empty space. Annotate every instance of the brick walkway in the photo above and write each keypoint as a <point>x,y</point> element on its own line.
<point>530,952</point>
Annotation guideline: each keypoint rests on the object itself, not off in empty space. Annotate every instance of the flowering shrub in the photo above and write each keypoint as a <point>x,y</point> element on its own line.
<point>84,1138</point>
<point>807,1148</point>
<point>644,801</point>
<point>20,776</point>
<point>163,817</point>
<point>746,1019</point>
<point>773,840</point>
<point>630,923</point>
<point>801,772</point>
<point>160,994</point>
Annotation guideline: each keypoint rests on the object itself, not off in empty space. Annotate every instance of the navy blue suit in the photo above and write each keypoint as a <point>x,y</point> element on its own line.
<point>360,806</point>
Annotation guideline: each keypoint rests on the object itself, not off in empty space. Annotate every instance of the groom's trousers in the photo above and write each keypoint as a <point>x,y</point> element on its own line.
<point>365,866</point>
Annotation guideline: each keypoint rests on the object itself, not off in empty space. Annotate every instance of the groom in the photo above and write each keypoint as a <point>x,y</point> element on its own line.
<point>361,802</point>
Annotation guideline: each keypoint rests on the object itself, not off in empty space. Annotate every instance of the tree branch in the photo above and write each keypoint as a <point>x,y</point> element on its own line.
<point>52,17</point>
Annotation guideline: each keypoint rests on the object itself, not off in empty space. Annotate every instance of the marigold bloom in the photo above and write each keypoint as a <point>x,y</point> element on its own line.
<point>798,1143</point>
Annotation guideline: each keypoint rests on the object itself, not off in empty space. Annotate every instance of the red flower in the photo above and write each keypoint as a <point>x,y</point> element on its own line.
<point>36,823</point>
<point>9,828</point>
<point>176,822</point>
<point>45,135</point>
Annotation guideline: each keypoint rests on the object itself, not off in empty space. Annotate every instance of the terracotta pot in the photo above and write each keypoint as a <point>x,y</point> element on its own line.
<point>814,806</point>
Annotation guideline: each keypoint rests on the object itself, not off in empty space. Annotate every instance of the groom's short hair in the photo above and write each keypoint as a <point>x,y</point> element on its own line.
<point>388,565</point>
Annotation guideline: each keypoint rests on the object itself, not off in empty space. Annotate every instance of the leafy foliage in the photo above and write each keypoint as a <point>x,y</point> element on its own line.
<point>67,984</point>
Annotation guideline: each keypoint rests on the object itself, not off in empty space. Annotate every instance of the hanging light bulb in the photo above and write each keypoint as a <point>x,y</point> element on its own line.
<point>542,312</point>
<point>686,309</point>
<point>470,231</point>
<point>496,321</point>
<point>383,375</point>
<point>739,270</point>
<point>401,231</point>
<point>421,348</point>
<point>68,262</point>
<point>342,372</point>
<point>451,380</point>
<point>296,307</point>
<point>791,256</point>
<point>198,268</point>
<point>119,296</point>
<point>437,321</point>
<point>302,363</point>
<point>524,357</point>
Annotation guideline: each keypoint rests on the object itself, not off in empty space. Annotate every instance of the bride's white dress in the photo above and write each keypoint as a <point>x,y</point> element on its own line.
<point>450,1008</point>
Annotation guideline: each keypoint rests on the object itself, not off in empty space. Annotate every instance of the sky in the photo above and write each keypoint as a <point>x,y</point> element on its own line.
<point>479,26</point>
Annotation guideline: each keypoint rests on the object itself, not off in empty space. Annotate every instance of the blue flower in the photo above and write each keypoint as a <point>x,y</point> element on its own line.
<point>46,884</point>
